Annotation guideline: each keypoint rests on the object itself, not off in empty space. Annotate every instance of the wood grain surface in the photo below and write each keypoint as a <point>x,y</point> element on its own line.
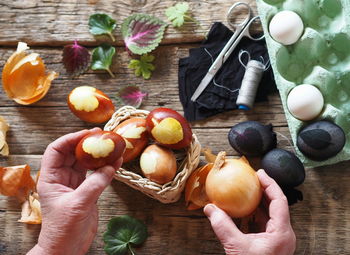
<point>321,221</point>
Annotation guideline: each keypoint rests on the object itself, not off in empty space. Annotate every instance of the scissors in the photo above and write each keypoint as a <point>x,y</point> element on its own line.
<point>241,30</point>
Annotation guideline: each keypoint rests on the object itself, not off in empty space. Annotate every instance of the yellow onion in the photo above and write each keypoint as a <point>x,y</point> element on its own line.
<point>233,186</point>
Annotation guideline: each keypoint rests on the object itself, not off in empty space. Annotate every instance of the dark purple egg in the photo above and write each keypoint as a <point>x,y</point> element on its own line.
<point>251,138</point>
<point>284,167</point>
<point>321,140</point>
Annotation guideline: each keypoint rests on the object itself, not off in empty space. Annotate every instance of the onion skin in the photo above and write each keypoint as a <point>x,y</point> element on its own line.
<point>195,195</point>
<point>169,128</point>
<point>158,164</point>
<point>99,148</point>
<point>233,186</point>
<point>135,135</point>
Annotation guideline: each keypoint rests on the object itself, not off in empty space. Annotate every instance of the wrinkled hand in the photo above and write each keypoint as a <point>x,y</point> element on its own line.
<point>68,198</point>
<point>277,237</point>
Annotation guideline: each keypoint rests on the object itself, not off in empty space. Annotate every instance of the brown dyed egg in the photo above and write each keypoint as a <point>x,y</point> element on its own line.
<point>169,128</point>
<point>90,104</point>
<point>135,135</point>
<point>99,148</point>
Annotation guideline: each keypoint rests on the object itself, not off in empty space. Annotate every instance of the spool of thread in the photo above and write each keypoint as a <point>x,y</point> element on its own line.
<point>251,80</point>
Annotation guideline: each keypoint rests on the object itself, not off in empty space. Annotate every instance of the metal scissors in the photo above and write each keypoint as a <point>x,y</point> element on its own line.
<point>241,30</point>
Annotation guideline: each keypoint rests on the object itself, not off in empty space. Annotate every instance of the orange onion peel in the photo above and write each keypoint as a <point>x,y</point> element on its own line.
<point>31,210</point>
<point>233,185</point>
<point>4,148</point>
<point>16,181</point>
<point>24,77</point>
<point>195,195</point>
<point>209,156</point>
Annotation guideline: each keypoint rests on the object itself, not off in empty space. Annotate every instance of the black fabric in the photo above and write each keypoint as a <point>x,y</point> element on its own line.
<point>214,99</point>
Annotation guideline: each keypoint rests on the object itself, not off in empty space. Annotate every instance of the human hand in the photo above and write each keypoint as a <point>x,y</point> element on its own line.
<point>277,238</point>
<point>68,198</point>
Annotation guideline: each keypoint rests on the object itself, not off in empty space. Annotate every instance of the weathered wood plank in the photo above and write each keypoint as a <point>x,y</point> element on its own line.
<point>52,22</point>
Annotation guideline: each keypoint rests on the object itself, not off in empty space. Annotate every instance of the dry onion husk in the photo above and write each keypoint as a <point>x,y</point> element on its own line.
<point>16,181</point>
<point>4,127</point>
<point>31,210</point>
<point>24,76</point>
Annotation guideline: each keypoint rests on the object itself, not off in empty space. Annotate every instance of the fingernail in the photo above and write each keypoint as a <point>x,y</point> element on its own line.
<point>209,209</point>
<point>260,172</point>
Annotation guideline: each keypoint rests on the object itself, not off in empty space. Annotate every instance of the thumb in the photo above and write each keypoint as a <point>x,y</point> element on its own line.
<point>90,190</point>
<point>223,226</point>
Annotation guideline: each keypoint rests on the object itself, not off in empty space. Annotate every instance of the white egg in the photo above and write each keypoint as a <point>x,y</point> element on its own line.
<point>286,27</point>
<point>305,102</point>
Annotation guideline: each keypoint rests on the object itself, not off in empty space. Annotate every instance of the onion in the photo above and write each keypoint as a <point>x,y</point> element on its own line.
<point>233,186</point>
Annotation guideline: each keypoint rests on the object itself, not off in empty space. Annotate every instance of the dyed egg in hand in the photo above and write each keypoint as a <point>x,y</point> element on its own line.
<point>305,102</point>
<point>135,135</point>
<point>99,148</point>
<point>251,138</point>
<point>169,128</point>
<point>284,167</point>
<point>321,140</point>
<point>90,104</point>
<point>286,27</point>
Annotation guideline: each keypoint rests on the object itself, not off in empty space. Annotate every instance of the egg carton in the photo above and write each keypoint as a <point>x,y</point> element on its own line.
<point>321,57</point>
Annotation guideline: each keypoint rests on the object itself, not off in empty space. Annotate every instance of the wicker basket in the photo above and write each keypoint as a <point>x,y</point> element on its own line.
<point>169,192</point>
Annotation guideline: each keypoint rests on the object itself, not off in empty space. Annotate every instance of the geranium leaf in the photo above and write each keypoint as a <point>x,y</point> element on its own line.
<point>102,57</point>
<point>101,24</point>
<point>142,33</point>
<point>131,95</point>
<point>178,14</point>
<point>76,58</point>
<point>143,66</point>
<point>122,233</point>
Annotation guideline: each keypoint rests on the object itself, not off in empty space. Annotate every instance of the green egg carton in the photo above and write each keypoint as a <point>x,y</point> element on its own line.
<point>321,57</point>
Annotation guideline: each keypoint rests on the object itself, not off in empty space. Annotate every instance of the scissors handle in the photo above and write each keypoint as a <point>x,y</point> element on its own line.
<point>246,30</point>
<point>245,21</point>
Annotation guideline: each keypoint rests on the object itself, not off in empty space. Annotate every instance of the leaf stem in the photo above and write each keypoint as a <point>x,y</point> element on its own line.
<point>191,19</point>
<point>131,251</point>
<point>111,36</point>
<point>110,72</point>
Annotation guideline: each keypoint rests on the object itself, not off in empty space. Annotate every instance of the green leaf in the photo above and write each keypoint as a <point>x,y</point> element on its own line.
<point>122,233</point>
<point>102,57</point>
<point>142,33</point>
<point>143,66</point>
<point>101,24</point>
<point>178,14</point>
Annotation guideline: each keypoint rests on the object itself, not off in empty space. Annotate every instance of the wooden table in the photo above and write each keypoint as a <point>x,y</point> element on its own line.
<point>321,221</point>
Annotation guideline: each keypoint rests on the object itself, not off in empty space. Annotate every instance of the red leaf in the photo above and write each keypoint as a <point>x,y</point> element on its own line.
<point>76,58</point>
<point>132,95</point>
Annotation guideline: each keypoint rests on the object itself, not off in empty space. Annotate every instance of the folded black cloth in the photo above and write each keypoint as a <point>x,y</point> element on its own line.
<point>217,99</point>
